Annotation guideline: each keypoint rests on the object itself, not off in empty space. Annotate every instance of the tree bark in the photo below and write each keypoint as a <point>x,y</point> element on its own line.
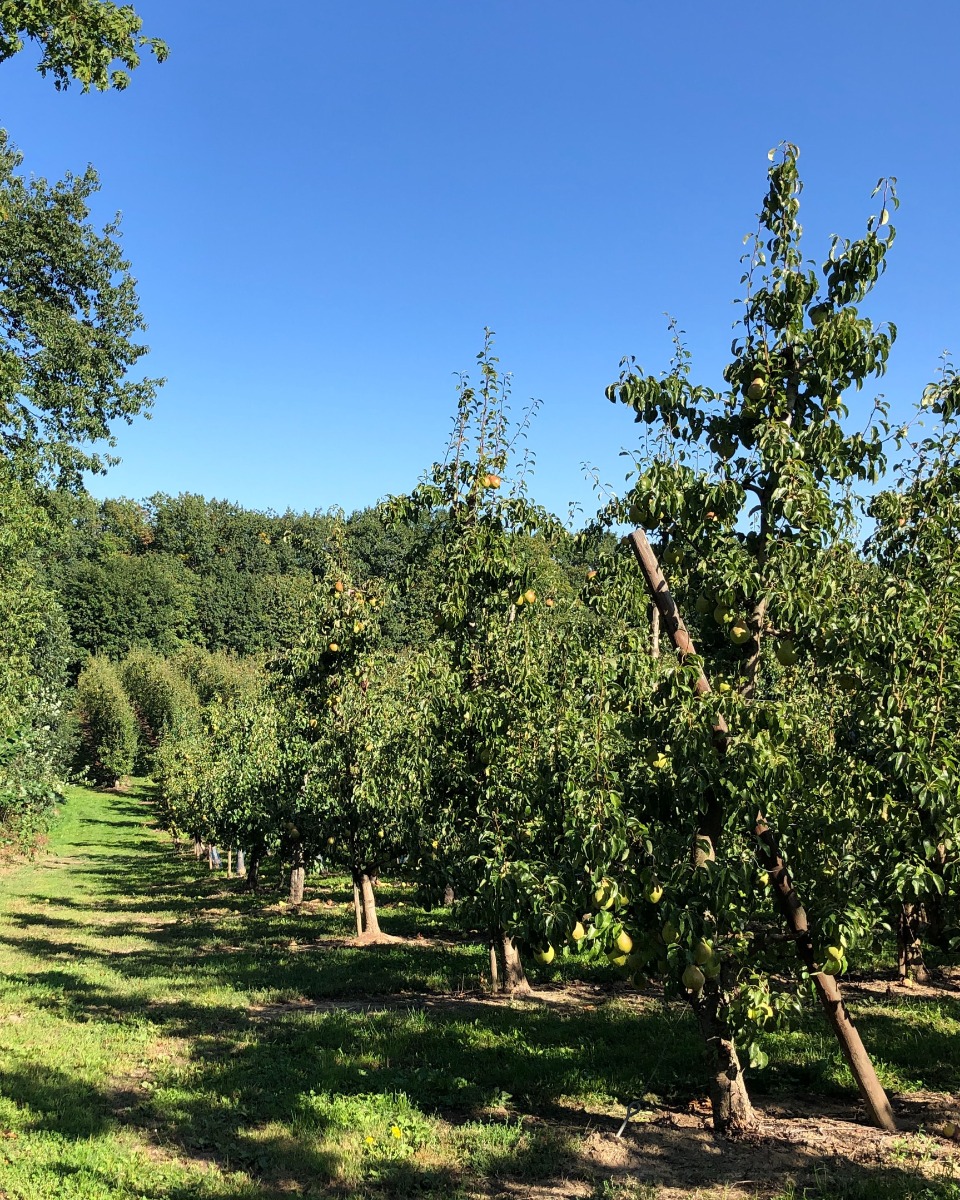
<point>494,967</point>
<point>910,926</point>
<point>513,980</point>
<point>298,872</point>
<point>253,868</point>
<point>732,1111</point>
<point>448,896</point>
<point>371,923</point>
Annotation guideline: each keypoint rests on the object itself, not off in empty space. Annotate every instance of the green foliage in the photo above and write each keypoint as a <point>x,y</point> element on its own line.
<point>218,675</point>
<point>80,39</point>
<point>34,733</point>
<point>500,823</point>
<point>747,491</point>
<point>68,317</point>
<point>108,723</point>
<point>162,699</point>
<point>219,774</point>
<point>353,746</point>
<point>128,601</point>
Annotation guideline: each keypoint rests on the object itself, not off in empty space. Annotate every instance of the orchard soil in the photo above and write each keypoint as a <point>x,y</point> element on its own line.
<point>163,1034</point>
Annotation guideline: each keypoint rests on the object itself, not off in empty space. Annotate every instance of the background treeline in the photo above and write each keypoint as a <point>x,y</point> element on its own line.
<point>184,570</point>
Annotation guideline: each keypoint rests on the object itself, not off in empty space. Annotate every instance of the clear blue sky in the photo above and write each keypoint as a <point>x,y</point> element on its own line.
<point>325,203</point>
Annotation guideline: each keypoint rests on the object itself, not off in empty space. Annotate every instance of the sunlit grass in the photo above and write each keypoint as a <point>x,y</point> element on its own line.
<point>164,1034</point>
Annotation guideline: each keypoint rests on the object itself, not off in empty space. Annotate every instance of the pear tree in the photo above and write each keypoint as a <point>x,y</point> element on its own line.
<point>744,490</point>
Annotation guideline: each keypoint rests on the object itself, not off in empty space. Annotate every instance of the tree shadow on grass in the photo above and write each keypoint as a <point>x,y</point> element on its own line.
<point>500,1092</point>
<point>53,1100</point>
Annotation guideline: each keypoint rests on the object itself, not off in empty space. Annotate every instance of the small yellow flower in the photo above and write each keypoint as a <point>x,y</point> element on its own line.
<point>369,1139</point>
<point>396,1131</point>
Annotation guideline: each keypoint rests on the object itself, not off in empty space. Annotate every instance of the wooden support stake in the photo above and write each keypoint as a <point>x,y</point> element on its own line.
<point>356,908</point>
<point>828,990</point>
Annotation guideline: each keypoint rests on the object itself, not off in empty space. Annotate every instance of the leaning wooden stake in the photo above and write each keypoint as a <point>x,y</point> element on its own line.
<point>828,990</point>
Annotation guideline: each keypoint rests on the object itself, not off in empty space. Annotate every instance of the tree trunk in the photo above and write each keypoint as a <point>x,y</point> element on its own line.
<point>732,1111</point>
<point>298,873</point>
<point>371,924</point>
<point>448,896</point>
<point>230,862</point>
<point>494,967</point>
<point>910,927</point>
<point>197,848</point>
<point>513,980</point>
<point>253,868</point>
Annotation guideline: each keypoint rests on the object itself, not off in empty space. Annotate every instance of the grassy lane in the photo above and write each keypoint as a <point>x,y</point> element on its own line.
<point>164,1035</point>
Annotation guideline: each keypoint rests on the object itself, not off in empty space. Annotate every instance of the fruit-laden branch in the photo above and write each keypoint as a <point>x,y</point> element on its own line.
<point>828,991</point>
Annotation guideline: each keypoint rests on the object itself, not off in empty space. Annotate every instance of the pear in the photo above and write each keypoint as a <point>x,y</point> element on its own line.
<point>693,979</point>
<point>739,633</point>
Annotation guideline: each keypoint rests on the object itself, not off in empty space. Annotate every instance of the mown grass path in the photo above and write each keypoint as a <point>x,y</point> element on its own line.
<point>164,1035</point>
<point>155,1042</point>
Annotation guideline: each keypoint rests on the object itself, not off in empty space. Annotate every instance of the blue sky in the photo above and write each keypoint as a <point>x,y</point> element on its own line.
<point>325,203</point>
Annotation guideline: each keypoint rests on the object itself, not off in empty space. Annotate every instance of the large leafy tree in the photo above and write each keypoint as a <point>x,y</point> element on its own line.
<point>33,650</point>
<point>69,319</point>
<point>80,40</point>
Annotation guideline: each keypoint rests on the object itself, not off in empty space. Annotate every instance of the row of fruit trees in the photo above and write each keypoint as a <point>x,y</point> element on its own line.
<point>734,790</point>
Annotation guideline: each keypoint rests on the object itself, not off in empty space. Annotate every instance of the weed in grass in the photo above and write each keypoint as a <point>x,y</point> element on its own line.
<point>624,1189</point>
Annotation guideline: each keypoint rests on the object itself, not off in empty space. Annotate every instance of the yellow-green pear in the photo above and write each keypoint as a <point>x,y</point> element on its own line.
<point>693,979</point>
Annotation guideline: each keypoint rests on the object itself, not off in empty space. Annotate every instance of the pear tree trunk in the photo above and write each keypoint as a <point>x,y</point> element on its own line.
<point>506,967</point>
<point>371,922</point>
<point>910,928</point>
<point>298,871</point>
<point>253,868</point>
<point>732,1111</point>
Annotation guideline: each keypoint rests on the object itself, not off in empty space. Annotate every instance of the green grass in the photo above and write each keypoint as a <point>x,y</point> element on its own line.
<point>156,1041</point>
